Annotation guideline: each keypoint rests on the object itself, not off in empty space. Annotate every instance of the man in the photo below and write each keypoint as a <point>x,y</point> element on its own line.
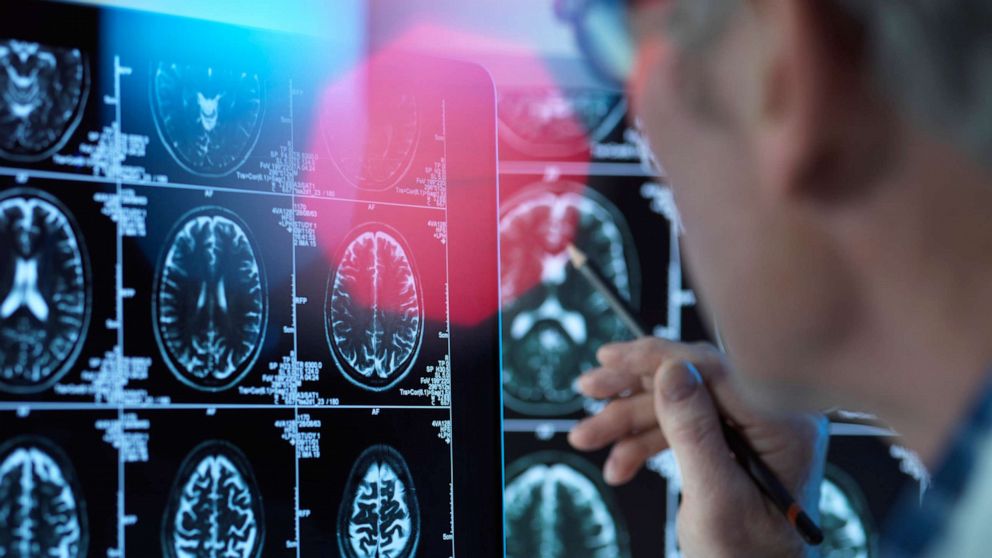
<point>832,161</point>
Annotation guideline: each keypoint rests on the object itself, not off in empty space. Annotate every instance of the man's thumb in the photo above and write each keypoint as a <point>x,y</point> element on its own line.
<point>691,424</point>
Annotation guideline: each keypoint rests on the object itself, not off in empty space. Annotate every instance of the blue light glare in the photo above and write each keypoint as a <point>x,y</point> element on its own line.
<point>340,20</point>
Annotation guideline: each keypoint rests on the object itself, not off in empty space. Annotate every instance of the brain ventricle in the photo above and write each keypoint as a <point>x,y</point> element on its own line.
<point>211,300</point>
<point>44,290</point>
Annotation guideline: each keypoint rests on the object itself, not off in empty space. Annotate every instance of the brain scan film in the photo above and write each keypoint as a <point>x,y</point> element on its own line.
<point>210,300</point>
<point>209,118</point>
<point>42,513</point>
<point>556,507</point>
<point>380,516</point>
<point>44,291</point>
<point>42,92</point>
<point>371,133</point>
<point>553,320</point>
<point>844,518</point>
<point>215,508</point>
<point>374,308</point>
<point>558,123</point>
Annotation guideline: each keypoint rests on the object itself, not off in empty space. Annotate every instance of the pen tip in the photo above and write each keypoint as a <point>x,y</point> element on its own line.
<point>577,256</point>
<point>809,531</point>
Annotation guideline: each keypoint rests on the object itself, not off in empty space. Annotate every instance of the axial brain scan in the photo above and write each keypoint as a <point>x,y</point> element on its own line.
<point>844,518</point>
<point>555,509</point>
<point>215,509</point>
<point>210,300</point>
<point>42,90</point>
<point>209,118</point>
<point>41,508</point>
<point>44,291</point>
<point>371,134</point>
<point>558,123</point>
<point>380,516</point>
<point>553,320</point>
<point>374,308</point>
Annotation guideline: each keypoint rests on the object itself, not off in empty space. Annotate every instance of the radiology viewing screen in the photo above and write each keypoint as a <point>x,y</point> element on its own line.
<point>248,294</point>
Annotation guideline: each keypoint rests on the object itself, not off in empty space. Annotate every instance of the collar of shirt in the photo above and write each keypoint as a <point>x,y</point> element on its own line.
<point>917,523</point>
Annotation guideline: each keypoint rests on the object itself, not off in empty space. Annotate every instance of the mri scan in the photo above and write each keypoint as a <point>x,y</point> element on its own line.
<point>380,516</point>
<point>847,525</point>
<point>556,507</point>
<point>553,320</point>
<point>42,512</point>
<point>555,122</point>
<point>210,302</point>
<point>208,118</point>
<point>371,133</point>
<point>215,508</point>
<point>42,92</point>
<point>374,308</point>
<point>44,291</point>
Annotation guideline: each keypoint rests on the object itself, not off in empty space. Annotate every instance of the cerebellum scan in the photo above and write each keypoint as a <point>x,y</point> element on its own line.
<point>371,133</point>
<point>210,302</point>
<point>42,92</point>
<point>556,507</point>
<point>553,320</point>
<point>374,308</point>
<point>558,123</point>
<point>847,525</point>
<point>380,515</point>
<point>215,508</point>
<point>209,118</point>
<point>44,290</point>
<point>42,512</point>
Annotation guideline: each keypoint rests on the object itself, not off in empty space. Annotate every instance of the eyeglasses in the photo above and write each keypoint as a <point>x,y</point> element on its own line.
<point>603,33</point>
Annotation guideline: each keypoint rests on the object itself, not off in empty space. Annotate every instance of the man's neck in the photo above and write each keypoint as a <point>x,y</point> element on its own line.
<point>927,289</point>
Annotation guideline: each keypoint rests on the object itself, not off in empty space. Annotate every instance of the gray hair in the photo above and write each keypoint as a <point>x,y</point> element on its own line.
<point>932,57</point>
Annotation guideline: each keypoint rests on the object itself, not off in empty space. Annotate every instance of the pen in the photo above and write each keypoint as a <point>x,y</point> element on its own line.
<point>765,479</point>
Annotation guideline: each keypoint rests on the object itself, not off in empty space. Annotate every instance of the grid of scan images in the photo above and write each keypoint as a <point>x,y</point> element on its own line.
<point>573,168</point>
<point>223,300</point>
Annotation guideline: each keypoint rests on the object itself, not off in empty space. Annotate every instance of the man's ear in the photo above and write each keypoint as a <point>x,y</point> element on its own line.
<point>817,123</point>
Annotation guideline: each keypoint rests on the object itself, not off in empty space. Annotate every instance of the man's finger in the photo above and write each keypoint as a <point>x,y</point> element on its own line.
<point>604,383</point>
<point>634,357</point>
<point>691,424</point>
<point>628,456</point>
<point>642,356</point>
<point>619,419</point>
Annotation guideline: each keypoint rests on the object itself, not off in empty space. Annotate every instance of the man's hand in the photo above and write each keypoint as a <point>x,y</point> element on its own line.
<point>666,395</point>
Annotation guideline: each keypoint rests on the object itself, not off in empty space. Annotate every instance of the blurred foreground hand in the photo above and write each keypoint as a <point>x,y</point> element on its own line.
<point>666,395</point>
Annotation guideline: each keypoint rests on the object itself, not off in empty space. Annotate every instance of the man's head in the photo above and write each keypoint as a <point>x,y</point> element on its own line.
<point>806,142</point>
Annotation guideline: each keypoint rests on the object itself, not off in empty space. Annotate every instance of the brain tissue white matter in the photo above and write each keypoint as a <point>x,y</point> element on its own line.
<point>379,515</point>
<point>374,309</point>
<point>44,291</point>
<point>41,513</point>
<point>553,321</point>
<point>42,89</point>
<point>215,510</point>
<point>209,118</point>
<point>210,301</point>
<point>555,511</point>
